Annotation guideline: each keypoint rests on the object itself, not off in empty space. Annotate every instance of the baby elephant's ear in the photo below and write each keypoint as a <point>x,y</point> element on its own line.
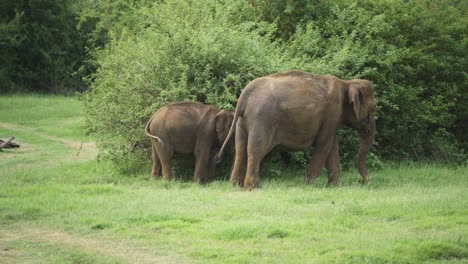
<point>223,120</point>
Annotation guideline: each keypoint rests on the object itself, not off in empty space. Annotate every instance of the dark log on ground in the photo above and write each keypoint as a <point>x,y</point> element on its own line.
<point>8,143</point>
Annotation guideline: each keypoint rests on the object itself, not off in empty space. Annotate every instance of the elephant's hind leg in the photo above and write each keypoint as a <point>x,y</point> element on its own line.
<point>260,143</point>
<point>240,162</point>
<point>156,170</point>
<point>165,153</point>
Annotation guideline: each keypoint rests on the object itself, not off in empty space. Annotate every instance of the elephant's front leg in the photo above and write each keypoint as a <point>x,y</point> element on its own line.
<point>322,148</point>
<point>333,164</point>
<point>240,162</point>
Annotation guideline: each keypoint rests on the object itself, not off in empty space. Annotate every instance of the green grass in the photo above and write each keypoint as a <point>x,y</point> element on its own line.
<point>55,209</point>
<point>54,115</point>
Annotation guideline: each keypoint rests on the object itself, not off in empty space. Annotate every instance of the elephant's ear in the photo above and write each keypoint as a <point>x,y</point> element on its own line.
<point>355,97</point>
<point>222,120</point>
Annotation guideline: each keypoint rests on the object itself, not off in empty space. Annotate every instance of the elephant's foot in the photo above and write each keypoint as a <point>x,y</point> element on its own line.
<point>155,175</point>
<point>364,180</point>
<point>237,181</point>
<point>310,178</point>
<point>333,182</point>
<point>167,178</point>
<point>251,187</point>
<point>251,184</point>
<point>197,180</point>
<point>201,180</point>
<point>333,178</point>
<point>312,175</point>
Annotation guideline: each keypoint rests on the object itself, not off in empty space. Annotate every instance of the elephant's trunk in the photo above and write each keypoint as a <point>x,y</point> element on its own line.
<point>367,138</point>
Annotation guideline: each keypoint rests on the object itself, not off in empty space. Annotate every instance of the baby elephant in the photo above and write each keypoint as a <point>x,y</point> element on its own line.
<point>187,127</point>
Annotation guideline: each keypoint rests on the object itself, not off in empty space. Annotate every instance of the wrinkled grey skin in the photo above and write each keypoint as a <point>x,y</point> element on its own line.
<point>295,110</point>
<point>187,127</point>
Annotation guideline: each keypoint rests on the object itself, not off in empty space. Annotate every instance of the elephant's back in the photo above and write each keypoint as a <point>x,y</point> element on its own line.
<point>177,125</point>
<point>288,92</point>
<point>291,105</point>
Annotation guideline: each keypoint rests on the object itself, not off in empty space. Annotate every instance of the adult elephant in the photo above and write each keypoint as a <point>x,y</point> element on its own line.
<point>187,127</point>
<point>294,110</point>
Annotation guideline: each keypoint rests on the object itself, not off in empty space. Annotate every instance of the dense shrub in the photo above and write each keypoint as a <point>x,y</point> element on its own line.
<point>415,54</point>
<point>413,51</point>
<point>140,54</point>
<point>187,51</point>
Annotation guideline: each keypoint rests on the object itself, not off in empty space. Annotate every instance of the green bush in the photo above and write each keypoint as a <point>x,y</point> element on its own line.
<point>415,54</point>
<point>191,54</point>
<point>413,51</point>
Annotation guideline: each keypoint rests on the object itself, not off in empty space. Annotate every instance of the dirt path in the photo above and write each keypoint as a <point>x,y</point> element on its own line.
<point>120,250</point>
<point>81,150</point>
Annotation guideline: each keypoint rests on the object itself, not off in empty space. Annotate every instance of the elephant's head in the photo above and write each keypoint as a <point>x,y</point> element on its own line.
<point>223,121</point>
<point>360,114</point>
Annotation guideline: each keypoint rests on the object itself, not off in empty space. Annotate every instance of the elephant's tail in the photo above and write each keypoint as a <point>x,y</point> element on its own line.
<point>148,133</point>
<point>238,112</point>
<point>219,157</point>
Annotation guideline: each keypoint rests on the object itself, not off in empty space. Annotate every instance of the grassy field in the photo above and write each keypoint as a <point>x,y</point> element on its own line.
<point>58,204</point>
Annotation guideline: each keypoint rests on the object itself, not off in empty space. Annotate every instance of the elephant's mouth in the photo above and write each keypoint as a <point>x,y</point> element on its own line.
<point>366,126</point>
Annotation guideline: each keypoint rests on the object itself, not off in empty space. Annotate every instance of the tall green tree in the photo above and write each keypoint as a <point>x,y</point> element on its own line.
<point>11,38</point>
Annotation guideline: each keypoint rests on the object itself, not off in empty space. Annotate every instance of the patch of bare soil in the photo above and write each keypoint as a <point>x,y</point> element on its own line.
<point>116,249</point>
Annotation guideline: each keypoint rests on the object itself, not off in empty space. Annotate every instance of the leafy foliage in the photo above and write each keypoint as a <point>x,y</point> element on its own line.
<point>414,52</point>
<point>138,55</point>
<point>193,54</point>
